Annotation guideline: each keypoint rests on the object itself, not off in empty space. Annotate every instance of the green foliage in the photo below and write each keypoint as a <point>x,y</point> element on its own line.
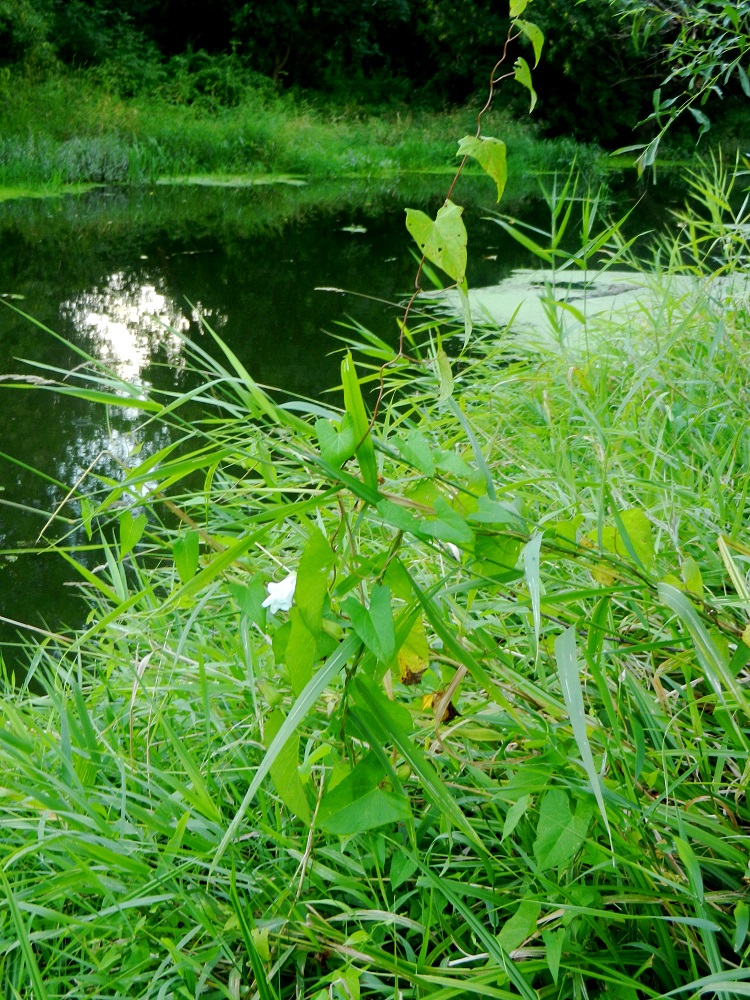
<point>442,241</point>
<point>523,76</point>
<point>706,49</point>
<point>369,54</point>
<point>569,815</point>
<point>594,84</point>
<point>491,156</point>
<point>25,28</point>
<point>219,794</point>
<point>83,131</point>
<point>594,80</point>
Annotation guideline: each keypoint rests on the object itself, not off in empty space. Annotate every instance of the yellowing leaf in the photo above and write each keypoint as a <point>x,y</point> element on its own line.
<point>490,154</point>
<point>442,241</point>
<point>603,575</point>
<point>414,655</point>
<point>637,546</point>
<point>432,700</point>
<point>638,529</point>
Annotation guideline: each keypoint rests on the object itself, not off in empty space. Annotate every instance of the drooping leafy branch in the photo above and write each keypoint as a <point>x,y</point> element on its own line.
<point>707,48</point>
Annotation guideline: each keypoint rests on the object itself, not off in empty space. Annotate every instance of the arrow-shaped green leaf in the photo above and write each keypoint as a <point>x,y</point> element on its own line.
<point>534,35</point>
<point>490,155</point>
<point>522,73</point>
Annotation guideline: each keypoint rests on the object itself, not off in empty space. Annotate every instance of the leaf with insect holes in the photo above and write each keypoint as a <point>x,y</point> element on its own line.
<point>442,240</point>
<point>490,154</point>
<point>522,73</point>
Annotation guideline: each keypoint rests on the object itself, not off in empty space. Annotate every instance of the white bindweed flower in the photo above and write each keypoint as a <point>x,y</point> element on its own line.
<point>280,595</point>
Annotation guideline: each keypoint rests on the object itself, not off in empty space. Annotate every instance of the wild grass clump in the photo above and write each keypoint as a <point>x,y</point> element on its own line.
<point>73,127</point>
<point>497,743</point>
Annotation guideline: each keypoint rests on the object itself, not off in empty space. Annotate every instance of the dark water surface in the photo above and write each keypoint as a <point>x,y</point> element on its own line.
<point>117,271</point>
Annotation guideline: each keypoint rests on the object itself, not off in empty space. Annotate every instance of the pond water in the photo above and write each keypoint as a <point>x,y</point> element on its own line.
<point>116,272</point>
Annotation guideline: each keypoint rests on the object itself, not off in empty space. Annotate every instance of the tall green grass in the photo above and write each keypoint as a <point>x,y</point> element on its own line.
<point>210,799</point>
<point>71,128</point>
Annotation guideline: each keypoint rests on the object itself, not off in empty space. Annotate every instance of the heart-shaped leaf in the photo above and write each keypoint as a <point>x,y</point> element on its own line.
<point>337,443</point>
<point>442,241</point>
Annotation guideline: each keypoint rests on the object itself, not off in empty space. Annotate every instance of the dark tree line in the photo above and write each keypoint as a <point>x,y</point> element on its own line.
<point>594,81</point>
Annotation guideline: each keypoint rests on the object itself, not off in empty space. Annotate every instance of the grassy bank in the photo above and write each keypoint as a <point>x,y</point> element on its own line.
<point>72,128</point>
<point>497,746</point>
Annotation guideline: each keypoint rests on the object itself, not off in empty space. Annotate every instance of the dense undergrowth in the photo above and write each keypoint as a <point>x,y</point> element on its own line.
<point>72,128</point>
<point>498,743</point>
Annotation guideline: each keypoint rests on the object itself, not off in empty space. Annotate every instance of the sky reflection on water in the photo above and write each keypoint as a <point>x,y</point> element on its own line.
<point>127,322</point>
